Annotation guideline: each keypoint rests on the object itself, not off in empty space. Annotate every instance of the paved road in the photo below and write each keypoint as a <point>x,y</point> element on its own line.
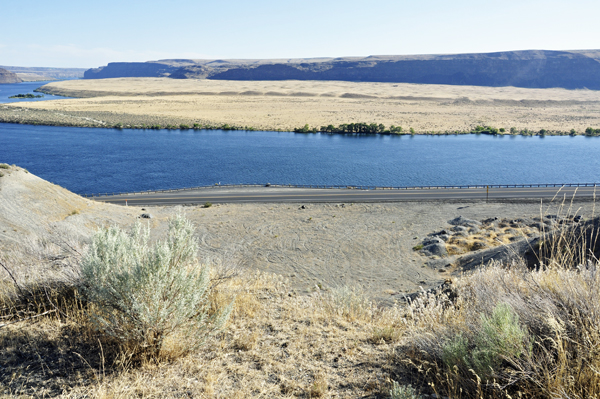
<point>272,194</point>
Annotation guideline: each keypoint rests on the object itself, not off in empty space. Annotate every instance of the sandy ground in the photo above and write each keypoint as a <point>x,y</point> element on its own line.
<point>284,105</point>
<point>322,246</point>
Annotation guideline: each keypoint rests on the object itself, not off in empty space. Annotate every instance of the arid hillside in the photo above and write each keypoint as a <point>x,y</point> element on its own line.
<point>8,77</point>
<point>323,245</point>
<point>286,105</point>
<point>45,73</point>
<point>533,69</point>
<point>316,300</point>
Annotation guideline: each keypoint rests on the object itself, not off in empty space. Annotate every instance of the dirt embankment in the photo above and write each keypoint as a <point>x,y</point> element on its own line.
<point>321,246</point>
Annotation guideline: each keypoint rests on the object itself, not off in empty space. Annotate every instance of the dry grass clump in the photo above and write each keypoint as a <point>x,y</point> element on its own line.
<point>511,332</point>
<point>39,274</point>
<point>276,344</point>
<point>571,245</point>
<point>501,232</point>
<point>46,344</point>
<point>502,331</point>
<point>319,386</point>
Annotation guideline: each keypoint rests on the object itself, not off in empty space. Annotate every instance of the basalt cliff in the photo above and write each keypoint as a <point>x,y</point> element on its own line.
<point>8,77</point>
<point>533,69</point>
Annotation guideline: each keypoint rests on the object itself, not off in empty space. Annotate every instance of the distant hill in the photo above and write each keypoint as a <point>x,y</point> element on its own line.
<point>45,73</point>
<point>8,77</point>
<point>132,70</point>
<point>532,69</point>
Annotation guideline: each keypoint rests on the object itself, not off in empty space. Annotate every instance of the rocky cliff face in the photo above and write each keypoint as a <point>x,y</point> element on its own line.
<point>533,69</point>
<point>8,77</point>
<point>52,73</point>
<point>540,69</point>
<point>130,70</point>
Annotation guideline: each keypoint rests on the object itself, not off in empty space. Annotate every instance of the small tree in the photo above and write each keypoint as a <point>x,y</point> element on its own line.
<point>141,295</point>
<point>304,129</point>
<point>396,129</point>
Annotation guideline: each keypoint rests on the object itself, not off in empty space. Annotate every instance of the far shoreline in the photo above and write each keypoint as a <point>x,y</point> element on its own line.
<point>36,118</point>
<point>307,107</point>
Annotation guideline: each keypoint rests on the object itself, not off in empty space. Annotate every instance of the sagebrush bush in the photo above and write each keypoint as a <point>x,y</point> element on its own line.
<point>141,294</point>
<point>403,392</point>
<point>455,351</point>
<point>499,337</point>
<point>511,331</point>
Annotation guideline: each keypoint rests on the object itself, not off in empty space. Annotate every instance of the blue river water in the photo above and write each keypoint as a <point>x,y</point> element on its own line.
<point>93,160</point>
<point>12,89</point>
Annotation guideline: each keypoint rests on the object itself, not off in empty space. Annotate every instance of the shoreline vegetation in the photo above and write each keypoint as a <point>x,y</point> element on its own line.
<point>359,128</point>
<point>27,96</point>
<point>380,129</point>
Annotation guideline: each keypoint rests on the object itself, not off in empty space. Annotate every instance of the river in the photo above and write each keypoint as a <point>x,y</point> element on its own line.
<point>92,160</point>
<point>12,89</point>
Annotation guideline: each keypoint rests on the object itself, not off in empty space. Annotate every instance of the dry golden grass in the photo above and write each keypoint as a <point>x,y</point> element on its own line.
<point>556,304</point>
<point>277,344</point>
<point>286,105</point>
<point>335,342</point>
<point>490,236</point>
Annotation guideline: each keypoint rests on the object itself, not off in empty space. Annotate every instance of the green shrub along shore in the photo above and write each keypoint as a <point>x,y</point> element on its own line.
<point>374,128</point>
<point>27,96</point>
<point>369,129</point>
<point>195,126</point>
<point>357,128</point>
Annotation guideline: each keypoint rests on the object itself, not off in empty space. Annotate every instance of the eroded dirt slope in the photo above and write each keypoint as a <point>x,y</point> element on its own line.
<point>316,246</point>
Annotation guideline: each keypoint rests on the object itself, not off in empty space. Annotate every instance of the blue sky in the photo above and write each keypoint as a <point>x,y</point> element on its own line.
<point>64,33</point>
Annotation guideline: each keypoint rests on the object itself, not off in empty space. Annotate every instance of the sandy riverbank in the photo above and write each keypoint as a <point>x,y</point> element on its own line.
<point>285,105</point>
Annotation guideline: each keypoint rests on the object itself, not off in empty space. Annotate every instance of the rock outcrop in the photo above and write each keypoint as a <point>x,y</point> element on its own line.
<point>8,77</point>
<point>130,70</point>
<point>572,232</point>
<point>45,73</point>
<point>532,69</point>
